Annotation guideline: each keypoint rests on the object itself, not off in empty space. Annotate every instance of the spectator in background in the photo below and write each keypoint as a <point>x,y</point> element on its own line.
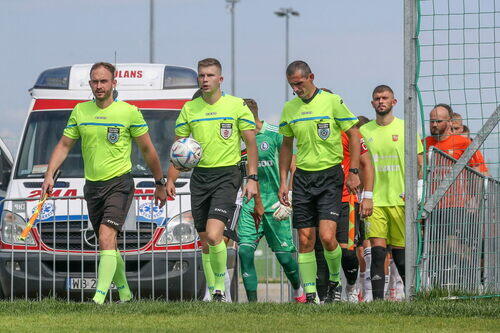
<point>444,136</point>
<point>466,132</point>
<point>456,211</point>
<point>457,126</point>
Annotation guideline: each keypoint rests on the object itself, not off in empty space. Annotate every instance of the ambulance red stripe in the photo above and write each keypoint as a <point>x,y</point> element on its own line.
<point>59,104</point>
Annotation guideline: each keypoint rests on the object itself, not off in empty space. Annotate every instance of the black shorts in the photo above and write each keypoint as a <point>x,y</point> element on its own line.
<point>108,202</point>
<point>213,194</point>
<point>342,234</point>
<point>317,195</point>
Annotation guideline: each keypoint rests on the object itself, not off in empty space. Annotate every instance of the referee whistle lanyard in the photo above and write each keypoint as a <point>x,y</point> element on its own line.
<point>352,222</point>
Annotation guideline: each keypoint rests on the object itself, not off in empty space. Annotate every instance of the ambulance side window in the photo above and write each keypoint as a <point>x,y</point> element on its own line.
<point>5,170</point>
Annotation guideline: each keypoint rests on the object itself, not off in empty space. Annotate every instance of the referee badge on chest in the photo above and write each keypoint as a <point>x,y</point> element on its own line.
<point>226,129</point>
<point>324,130</point>
<point>113,134</point>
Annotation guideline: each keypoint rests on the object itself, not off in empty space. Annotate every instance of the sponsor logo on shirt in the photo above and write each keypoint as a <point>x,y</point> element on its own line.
<point>263,164</point>
<point>386,168</point>
<point>226,129</point>
<point>395,137</point>
<point>210,113</point>
<point>101,117</point>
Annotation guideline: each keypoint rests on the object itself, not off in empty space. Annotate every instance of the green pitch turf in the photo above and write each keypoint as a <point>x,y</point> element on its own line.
<point>417,316</point>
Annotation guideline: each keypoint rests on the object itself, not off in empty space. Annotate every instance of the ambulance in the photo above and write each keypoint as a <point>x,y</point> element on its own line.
<point>60,257</point>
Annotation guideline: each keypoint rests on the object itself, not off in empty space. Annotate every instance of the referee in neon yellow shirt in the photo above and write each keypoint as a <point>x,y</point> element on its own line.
<point>106,128</point>
<point>316,118</point>
<point>217,121</point>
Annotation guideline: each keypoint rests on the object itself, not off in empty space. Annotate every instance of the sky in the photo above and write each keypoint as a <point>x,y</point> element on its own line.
<point>351,46</point>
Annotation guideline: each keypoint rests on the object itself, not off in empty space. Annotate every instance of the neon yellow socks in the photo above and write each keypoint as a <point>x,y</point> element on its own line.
<point>207,270</point>
<point>107,268</point>
<point>120,279</point>
<point>333,260</point>
<point>308,271</point>
<point>218,261</point>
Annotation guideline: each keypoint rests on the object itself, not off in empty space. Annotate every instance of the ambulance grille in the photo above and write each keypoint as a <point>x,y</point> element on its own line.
<point>77,236</point>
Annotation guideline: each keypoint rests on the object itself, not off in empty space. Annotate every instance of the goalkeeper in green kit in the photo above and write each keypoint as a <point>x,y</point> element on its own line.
<point>275,225</point>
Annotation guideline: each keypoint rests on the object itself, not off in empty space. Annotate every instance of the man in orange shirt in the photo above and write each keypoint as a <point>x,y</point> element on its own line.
<point>443,137</point>
<point>451,218</point>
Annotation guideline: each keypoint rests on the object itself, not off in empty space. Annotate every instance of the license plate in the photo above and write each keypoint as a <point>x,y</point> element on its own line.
<point>84,283</point>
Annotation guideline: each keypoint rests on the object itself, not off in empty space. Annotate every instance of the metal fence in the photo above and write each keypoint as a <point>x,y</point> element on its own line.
<point>163,260</point>
<point>460,240</point>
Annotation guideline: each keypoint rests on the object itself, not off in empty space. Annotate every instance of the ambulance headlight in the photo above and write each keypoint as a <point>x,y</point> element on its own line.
<point>179,230</point>
<point>12,227</point>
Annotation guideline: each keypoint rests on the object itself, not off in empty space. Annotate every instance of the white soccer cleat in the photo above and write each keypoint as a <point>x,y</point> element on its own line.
<point>352,293</point>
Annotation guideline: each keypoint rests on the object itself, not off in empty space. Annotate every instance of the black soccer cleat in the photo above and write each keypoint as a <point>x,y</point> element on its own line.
<point>312,298</point>
<point>334,292</point>
<point>218,296</point>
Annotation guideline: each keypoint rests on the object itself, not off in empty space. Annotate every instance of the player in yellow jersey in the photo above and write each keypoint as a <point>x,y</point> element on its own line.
<point>384,138</point>
<point>106,128</point>
<point>217,121</point>
<point>316,118</point>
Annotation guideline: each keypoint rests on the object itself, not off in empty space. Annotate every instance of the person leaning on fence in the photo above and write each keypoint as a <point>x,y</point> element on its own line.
<point>217,121</point>
<point>106,128</point>
<point>316,119</point>
<point>457,209</point>
<point>384,138</point>
<point>445,138</point>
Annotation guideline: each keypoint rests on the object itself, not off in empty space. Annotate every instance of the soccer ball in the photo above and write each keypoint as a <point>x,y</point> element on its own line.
<point>185,153</point>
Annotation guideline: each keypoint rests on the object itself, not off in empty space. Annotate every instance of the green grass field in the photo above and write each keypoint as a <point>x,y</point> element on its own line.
<point>417,316</point>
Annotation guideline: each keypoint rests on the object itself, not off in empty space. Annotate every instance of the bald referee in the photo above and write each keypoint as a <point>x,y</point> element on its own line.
<point>316,118</point>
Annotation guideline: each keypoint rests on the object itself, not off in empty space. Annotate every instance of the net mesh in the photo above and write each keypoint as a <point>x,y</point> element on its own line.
<point>458,63</point>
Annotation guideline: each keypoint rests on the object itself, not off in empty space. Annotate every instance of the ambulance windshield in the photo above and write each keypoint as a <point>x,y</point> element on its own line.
<point>45,129</point>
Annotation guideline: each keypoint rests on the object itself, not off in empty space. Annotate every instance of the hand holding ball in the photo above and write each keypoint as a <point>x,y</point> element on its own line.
<point>185,154</point>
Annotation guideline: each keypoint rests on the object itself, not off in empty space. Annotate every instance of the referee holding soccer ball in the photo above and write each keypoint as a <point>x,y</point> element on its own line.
<point>217,121</point>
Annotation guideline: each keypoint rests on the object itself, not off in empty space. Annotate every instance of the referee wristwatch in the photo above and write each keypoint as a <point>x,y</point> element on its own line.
<point>254,177</point>
<point>161,182</point>
<point>354,171</point>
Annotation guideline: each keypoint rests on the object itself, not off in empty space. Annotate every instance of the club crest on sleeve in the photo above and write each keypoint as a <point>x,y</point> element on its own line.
<point>226,129</point>
<point>323,130</point>
<point>113,134</point>
<point>395,137</point>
